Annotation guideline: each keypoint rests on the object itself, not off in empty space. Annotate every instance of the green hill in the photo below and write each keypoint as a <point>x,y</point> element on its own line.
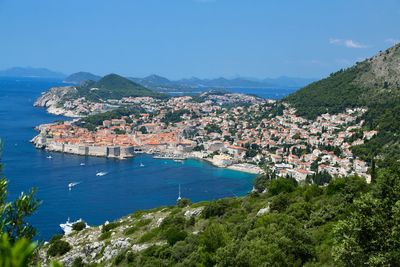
<point>113,86</point>
<point>374,84</point>
<point>346,223</point>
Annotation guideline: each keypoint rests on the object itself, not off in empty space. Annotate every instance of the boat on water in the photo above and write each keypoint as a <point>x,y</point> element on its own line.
<point>49,157</point>
<point>179,195</point>
<point>67,226</point>
<point>101,173</point>
<point>82,164</point>
<point>70,185</point>
<point>141,164</point>
<point>178,160</point>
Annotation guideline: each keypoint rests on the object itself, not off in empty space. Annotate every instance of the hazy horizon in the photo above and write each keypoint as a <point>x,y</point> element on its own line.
<point>196,38</point>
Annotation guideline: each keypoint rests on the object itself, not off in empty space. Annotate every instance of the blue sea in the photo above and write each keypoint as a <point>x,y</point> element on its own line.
<point>126,188</point>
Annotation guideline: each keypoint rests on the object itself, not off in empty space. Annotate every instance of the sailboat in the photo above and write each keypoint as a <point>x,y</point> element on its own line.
<point>179,196</point>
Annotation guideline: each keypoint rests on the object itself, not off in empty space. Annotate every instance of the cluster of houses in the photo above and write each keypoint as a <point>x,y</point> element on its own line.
<point>260,133</point>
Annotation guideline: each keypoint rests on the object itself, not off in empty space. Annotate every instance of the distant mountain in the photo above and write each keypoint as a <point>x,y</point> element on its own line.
<point>113,86</point>
<point>163,84</point>
<point>373,84</point>
<point>80,77</point>
<point>31,72</point>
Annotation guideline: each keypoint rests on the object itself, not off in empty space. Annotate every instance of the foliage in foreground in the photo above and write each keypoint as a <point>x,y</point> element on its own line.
<point>346,223</point>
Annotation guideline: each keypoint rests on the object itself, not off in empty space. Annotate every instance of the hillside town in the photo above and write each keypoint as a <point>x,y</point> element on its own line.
<point>237,131</point>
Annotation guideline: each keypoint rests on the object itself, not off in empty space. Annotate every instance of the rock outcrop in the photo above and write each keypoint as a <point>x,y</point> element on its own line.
<point>53,96</point>
<point>52,100</point>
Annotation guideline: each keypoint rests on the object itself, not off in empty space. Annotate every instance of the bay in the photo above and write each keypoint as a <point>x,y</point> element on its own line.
<point>126,188</point>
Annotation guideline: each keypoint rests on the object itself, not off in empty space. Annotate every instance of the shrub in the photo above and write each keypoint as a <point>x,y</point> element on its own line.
<point>109,226</point>
<point>55,238</point>
<point>78,262</point>
<point>58,248</point>
<point>174,235</point>
<point>130,257</point>
<point>79,226</point>
<point>104,236</point>
<point>215,209</point>
<point>143,222</point>
<point>149,235</point>
<point>280,185</point>
<point>119,258</point>
<point>173,220</point>
<point>183,202</point>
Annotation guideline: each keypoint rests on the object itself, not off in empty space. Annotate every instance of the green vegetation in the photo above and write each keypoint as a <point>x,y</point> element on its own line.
<point>112,86</point>
<point>213,128</point>
<point>92,121</point>
<point>361,86</point>
<point>17,254</point>
<point>58,248</point>
<point>174,116</point>
<point>341,224</point>
<point>109,226</point>
<point>79,226</point>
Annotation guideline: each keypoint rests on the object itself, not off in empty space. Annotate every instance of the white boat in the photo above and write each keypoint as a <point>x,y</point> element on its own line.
<point>49,157</point>
<point>70,185</point>
<point>82,164</point>
<point>67,226</point>
<point>141,165</point>
<point>178,160</point>
<point>101,173</point>
<point>179,196</point>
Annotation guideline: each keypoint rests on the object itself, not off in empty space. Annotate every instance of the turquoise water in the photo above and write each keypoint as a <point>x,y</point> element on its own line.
<point>127,187</point>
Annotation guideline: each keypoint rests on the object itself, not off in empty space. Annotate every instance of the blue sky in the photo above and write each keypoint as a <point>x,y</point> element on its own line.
<point>204,38</point>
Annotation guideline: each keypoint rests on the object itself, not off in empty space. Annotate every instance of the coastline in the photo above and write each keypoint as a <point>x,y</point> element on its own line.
<point>129,152</point>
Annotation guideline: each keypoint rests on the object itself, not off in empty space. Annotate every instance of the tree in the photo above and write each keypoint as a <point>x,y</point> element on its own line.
<point>17,254</point>
<point>143,130</point>
<point>371,235</point>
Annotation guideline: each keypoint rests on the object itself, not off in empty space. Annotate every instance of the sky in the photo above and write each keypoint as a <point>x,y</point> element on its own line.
<point>202,38</point>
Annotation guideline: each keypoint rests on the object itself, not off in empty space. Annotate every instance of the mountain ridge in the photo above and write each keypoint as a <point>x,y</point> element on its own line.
<point>31,72</point>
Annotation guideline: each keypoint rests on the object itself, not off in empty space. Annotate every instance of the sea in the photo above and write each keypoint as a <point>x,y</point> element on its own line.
<point>127,186</point>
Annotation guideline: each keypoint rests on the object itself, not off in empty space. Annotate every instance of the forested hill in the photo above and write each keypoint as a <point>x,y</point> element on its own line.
<point>374,84</point>
<point>113,86</point>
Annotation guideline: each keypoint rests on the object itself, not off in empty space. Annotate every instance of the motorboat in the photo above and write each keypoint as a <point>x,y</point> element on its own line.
<point>49,157</point>
<point>141,164</point>
<point>70,185</point>
<point>101,173</point>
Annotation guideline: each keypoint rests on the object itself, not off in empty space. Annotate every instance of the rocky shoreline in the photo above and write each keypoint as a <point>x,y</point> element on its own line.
<point>52,98</point>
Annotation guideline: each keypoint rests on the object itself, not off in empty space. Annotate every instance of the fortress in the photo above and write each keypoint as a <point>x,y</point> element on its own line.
<point>84,150</point>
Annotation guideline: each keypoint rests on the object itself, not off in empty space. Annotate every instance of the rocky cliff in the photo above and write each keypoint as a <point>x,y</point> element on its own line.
<point>53,99</point>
